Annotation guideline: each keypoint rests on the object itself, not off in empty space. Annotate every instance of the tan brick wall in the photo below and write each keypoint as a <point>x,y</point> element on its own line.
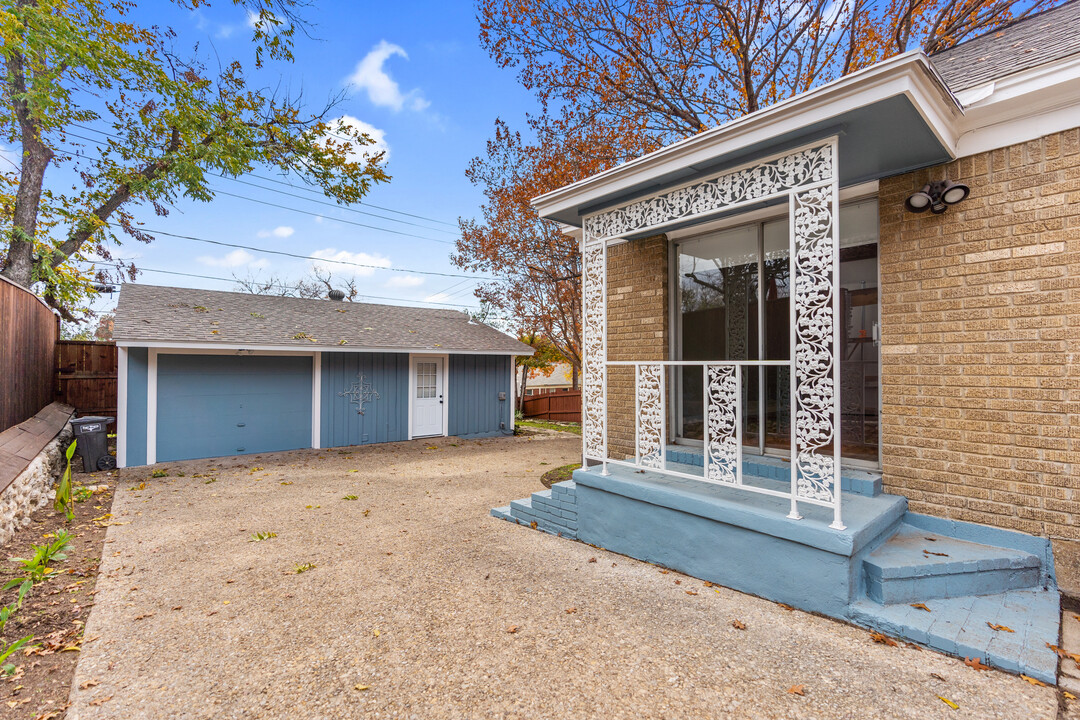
<point>637,326</point>
<point>980,340</point>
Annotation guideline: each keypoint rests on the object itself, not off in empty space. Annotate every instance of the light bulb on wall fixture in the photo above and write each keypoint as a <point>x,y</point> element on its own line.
<point>937,196</point>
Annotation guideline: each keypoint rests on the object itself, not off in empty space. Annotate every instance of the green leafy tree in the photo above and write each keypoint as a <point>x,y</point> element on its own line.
<point>543,360</point>
<point>167,123</point>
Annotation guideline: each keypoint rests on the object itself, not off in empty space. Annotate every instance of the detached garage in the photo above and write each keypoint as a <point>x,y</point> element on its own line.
<point>209,374</point>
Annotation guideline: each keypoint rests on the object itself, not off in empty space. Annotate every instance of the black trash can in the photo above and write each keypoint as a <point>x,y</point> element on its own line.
<point>92,442</point>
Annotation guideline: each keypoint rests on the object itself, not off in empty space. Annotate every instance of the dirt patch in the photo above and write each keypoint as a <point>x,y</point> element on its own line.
<point>56,609</point>
<point>559,474</point>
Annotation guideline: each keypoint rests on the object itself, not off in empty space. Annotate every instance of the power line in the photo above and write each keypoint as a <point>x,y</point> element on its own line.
<point>308,257</point>
<point>273,284</point>
<point>294,187</point>
<point>309,213</point>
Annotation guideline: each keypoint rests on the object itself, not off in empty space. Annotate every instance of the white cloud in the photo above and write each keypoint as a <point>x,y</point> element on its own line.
<point>281,231</point>
<point>360,152</point>
<point>383,90</point>
<point>252,19</point>
<point>437,297</point>
<point>345,256</point>
<point>235,259</point>
<point>318,219</point>
<point>405,281</point>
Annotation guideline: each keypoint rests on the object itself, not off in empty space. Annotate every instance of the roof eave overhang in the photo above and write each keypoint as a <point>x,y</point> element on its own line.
<point>308,350</point>
<point>910,75</point>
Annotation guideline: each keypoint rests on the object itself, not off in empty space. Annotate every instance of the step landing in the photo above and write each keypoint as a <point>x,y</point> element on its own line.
<point>916,565</point>
<point>553,511</point>
<point>965,627</point>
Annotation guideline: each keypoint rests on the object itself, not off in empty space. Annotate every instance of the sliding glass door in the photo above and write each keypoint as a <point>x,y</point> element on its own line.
<point>734,304</point>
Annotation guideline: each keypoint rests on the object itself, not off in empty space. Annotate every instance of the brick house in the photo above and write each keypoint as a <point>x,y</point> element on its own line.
<point>913,232</point>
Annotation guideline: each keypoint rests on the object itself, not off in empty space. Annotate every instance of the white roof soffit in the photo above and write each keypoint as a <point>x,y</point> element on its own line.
<point>909,78</point>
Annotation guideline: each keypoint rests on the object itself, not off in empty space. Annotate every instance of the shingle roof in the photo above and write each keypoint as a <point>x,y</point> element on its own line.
<point>1027,43</point>
<point>150,313</point>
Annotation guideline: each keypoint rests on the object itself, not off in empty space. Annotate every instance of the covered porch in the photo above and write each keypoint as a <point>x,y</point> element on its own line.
<point>730,408</point>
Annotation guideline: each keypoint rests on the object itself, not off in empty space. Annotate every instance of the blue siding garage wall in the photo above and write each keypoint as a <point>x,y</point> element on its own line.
<point>137,371</point>
<point>475,383</point>
<point>215,405</point>
<point>385,419</point>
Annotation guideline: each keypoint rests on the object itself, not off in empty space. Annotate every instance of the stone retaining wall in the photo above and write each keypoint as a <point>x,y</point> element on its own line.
<point>33,487</point>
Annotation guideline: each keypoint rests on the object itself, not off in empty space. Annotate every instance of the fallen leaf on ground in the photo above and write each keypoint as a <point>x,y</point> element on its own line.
<point>376,632</point>
<point>691,592</point>
<point>143,617</point>
<point>100,701</point>
<point>738,625</point>
<point>937,677</point>
<point>883,639</point>
<point>948,702</point>
<point>362,687</point>
<point>708,584</point>
<point>533,524</point>
<point>797,690</point>
<point>178,607</point>
<point>571,611</point>
<point>1068,695</point>
<point>592,559</point>
<point>678,582</point>
<point>975,664</point>
<point>89,684</point>
<point>928,552</point>
<point>664,572</point>
<point>920,606</point>
<point>1075,657</point>
<point>786,606</point>
<point>1033,681</point>
<point>512,629</point>
<point>1000,628</point>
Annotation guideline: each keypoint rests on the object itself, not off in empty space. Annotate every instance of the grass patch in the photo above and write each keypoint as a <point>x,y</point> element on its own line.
<point>570,427</point>
<point>566,472</point>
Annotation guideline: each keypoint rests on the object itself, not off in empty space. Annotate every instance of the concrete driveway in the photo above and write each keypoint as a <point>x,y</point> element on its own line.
<point>408,609</point>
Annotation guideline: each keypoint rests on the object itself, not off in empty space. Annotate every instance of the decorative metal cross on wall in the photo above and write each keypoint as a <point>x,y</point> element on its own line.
<point>360,392</point>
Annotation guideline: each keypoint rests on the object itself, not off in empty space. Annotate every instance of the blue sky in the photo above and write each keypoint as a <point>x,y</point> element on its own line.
<point>415,74</point>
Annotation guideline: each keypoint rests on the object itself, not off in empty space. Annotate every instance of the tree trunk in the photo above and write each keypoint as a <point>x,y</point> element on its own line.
<point>574,378</point>
<point>524,383</point>
<point>36,156</point>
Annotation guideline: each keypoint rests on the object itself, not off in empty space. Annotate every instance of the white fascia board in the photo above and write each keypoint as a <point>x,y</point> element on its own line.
<point>910,74</point>
<point>1021,107</point>
<point>162,345</point>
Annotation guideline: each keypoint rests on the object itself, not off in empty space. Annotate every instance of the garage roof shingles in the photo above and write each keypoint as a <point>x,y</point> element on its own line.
<point>152,314</point>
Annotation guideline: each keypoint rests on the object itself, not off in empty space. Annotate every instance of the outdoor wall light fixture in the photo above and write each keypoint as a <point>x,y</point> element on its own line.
<point>937,196</point>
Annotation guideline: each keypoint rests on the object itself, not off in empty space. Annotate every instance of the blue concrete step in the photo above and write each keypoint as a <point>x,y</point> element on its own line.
<point>915,565</point>
<point>961,626</point>
<point>553,511</point>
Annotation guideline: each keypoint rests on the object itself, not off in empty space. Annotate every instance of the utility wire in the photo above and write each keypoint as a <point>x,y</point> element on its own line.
<point>275,284</point>
<point>314,214</point>
<point>308,257</point>
<point>294,187</point>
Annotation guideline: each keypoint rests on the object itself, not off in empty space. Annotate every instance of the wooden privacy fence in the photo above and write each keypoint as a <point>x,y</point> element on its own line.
<point>557,407</point>
<point>28,333</point>
<point>86,377</point>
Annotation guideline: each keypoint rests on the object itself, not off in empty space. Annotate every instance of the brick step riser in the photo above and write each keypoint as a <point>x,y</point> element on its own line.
<point>889,591</point>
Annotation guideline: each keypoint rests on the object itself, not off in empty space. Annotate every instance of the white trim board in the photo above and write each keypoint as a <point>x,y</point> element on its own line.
<point>290,349</point>
<point>121,406</point>
<point>316,400</point>
<point>151,406</point>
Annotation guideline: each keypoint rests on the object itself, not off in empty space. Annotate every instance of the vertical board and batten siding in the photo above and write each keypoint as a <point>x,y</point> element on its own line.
<point>28,335</point>
<point>475,382</point>
<point>137,375</point>
<point>385,419</point>
<point>220,405</point>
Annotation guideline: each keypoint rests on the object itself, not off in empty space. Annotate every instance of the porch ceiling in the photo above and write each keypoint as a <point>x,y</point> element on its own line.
<point>894,117</point>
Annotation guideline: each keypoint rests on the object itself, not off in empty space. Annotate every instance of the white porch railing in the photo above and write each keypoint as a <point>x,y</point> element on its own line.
<point>722,452</point>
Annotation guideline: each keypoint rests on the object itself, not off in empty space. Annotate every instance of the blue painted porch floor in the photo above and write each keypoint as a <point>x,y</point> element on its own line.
<point>961,626</point>
<point>965,584</point>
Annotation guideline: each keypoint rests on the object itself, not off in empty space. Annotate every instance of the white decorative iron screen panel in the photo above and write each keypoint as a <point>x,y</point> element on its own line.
<point>650,416</point>
<point>815,366</point>
<point>798,169</point>
<point>722,451</point>
<point>594,403</point>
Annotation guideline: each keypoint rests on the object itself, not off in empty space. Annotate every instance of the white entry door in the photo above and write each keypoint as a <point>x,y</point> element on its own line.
<point>427,410</point>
